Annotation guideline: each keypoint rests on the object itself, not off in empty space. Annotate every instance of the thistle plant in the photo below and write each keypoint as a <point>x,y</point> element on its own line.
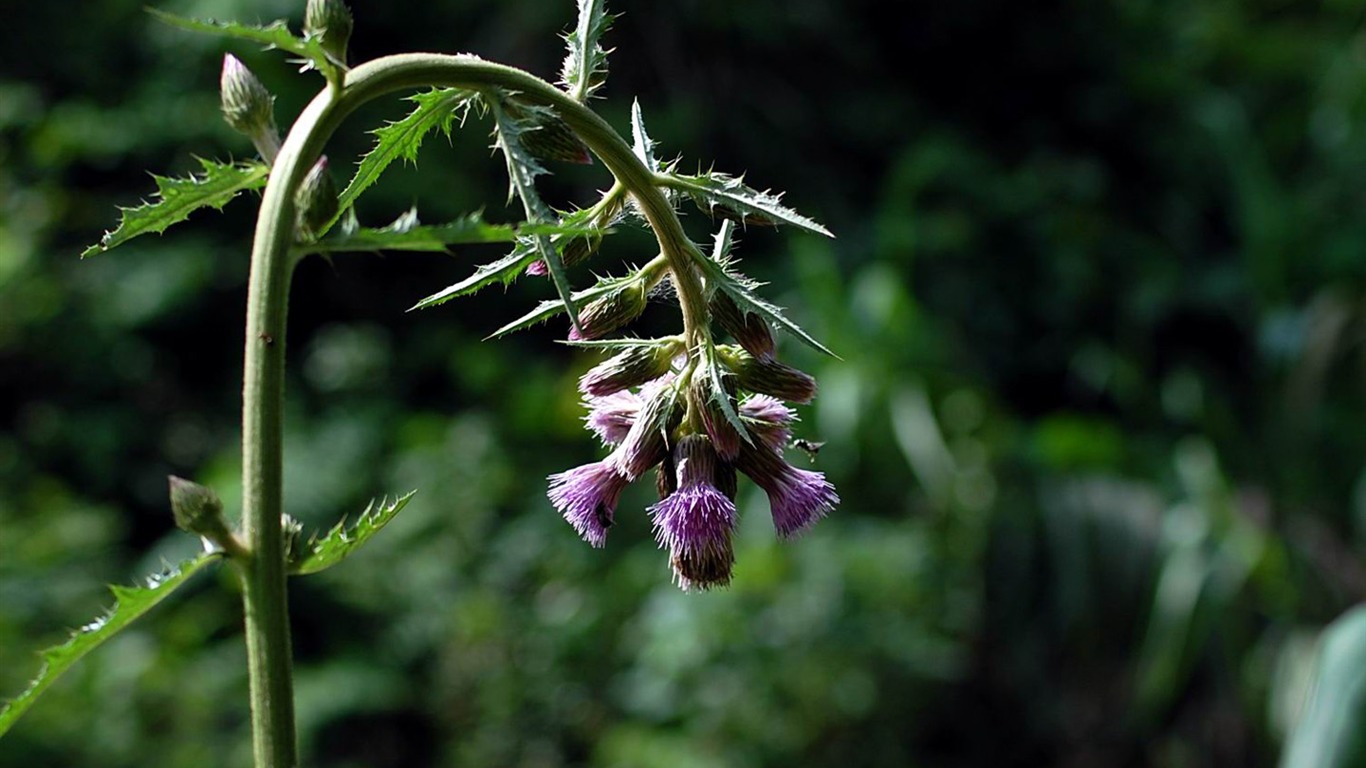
<point>696,409</point>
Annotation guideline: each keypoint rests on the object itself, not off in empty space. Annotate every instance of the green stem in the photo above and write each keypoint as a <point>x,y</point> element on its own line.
<point>263,574</point>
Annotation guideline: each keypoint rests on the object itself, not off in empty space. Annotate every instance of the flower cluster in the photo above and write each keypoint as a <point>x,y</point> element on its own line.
<point>657,405</point>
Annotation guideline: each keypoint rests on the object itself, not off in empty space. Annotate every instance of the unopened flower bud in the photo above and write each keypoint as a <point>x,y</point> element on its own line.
<point>768,419</point>
<point>648,441</point>
<point>316,201</point>
<point>575,251</point>
<point>198,510</point>
<point>768,376</point>
<point>631,367</point>
<point>248,107</point>
<point>330,20</point>
<point>703,399</point>
<point>748,329</point>
<point>611,312</point>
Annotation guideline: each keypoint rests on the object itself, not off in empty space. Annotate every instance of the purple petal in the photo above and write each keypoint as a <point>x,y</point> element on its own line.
<point>587,497</point>
<point>797,498</point>
<point>767,418</point>
<point>610,417</point>
<point>695,524</point>
<point>538,268</point>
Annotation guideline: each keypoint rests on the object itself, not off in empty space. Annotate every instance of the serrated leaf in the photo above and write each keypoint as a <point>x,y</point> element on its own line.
<point>406,233</point>
<point>436,109</point>
<point>740,289</point>
<point>130,603</point>
<point>548,309</point>
<point>342,540</point>
<point>176,199</point>
<point>616,345</point>
<point>644,147</point>
<point>585,65</point>
<point>273,35</point>
<point>718,393</point>
<point>712,191</point>
<point>522,172</point>
<point>505,270</point>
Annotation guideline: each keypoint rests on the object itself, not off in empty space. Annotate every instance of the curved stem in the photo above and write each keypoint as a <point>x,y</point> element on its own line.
<point>263,574</point>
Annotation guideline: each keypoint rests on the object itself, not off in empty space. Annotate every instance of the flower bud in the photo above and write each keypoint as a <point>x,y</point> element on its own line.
<point>702,399</point>
<point>768,376</point>
<point>748,329</point>
<point>575,251</point>
<point>546,135</point>
<point>316,201</point>
<point>248,107</point>
<point>331,21</point>
<point>198,510</point>
<point>650,437</point>
<point>768,419</point>
<point>631,367</point>
<point>611,312</point>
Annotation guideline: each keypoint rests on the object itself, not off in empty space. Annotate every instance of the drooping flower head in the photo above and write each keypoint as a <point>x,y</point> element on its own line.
<point>768,419</point>
<point>587,497</point>
<point>797,498</point>
<point>696,521</point>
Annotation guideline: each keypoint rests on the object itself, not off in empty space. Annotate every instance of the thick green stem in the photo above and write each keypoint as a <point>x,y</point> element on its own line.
<point>263,573</point>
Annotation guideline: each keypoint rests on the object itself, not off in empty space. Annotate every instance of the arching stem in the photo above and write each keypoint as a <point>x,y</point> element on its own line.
<point>263,573</point>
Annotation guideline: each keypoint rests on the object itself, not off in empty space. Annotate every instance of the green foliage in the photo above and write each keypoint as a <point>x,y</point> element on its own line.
<point>216,185</point>
<point>523,169</point>
<point>437,109</point>
<point>129,604</point>
<point>717,193</point>
<point>310,48</point>
<point>585,65</point>
<point>741,290</point>
<point>323,553</point>
<point>548,309</point>
<point>1329,733</point>
<point>643,146</point>
<point>406,233</point>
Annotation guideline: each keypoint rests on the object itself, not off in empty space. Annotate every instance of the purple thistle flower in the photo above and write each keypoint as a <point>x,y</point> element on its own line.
<point>696,521</point>
<point>768,419</point>
<point>587,497</point>
<point>797,498</point>
<point>610,417</point>
<point>538,268</point>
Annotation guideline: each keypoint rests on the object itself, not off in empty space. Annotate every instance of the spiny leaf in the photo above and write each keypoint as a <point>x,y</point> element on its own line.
<point>217,184</point>
<point>585,66</point>
<point>741,289</point>
<point>613,345</point>
<point>522,172</point>
<point>644,147</point>
<point>571,230</point>
<point>504,270</point>
<point>406,233</point>
<point>342,540</point>
<point>712,191</point>
<point>548,309</point>
<point>273,35</point>
<point>436,109</point>
<point>129,604</point>
<point>719,394</point>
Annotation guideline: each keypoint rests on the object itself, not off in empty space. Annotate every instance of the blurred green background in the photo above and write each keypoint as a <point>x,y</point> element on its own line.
<point>1100,291</point>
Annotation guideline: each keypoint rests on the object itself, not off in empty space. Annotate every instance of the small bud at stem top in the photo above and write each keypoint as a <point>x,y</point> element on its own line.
<point>331,20</point>
<point>198,510</point>
<point>248,107</point>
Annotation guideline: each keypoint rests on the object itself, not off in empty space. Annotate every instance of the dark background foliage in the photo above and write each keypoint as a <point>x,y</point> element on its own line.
<point>1098,288</point>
